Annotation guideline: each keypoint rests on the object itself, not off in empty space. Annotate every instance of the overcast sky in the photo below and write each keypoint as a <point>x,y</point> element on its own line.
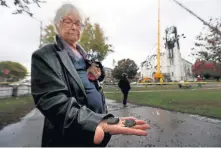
<point>130,25</point>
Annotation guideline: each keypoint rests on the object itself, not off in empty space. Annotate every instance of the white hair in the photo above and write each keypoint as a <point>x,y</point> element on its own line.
<point>63,11</point>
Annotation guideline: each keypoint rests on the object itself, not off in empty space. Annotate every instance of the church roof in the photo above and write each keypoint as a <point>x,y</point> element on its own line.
<point>187,61</point>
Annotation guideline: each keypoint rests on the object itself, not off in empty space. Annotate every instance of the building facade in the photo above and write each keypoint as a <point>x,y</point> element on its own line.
<point>108,75</point>
<point>173,66</point>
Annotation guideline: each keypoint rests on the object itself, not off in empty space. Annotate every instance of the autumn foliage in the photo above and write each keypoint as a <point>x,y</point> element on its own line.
<point>207,69</point>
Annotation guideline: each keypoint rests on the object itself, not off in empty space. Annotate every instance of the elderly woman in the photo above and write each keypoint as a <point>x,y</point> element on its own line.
<point>74,109</point>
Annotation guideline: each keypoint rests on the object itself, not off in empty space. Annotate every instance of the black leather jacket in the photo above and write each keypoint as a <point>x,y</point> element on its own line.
<point>60,96</point>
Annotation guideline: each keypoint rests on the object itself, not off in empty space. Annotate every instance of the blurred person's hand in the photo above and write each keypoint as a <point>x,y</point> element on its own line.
<point>140,129</point>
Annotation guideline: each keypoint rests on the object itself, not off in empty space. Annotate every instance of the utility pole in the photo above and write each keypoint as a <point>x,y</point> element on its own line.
<point>204,22</point>
<point>41,29</point>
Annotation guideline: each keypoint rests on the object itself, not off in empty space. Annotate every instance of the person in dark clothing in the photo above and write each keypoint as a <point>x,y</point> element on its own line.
<point>124,85</point>
<point>74,108</point>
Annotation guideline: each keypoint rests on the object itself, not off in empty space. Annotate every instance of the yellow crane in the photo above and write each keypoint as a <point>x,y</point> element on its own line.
<point>158,75</point>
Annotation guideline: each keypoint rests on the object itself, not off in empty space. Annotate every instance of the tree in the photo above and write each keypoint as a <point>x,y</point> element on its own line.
<point>208,43</point>
<point>49,35</point>
<point>21,6</point>
<point>87,36</point>
<point>93,38</point>
<point>207,75</point>
<point>206,69</point>
<point>12,71</point>
<point>217,72</point>
<point>125,66</point>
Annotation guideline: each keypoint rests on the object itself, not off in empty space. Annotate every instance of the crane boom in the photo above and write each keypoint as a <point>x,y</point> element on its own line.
<point>158,39</point>
<point>158,75</point>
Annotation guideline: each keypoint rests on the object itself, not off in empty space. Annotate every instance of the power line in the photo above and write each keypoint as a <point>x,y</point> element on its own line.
<point>204,22</point>
<point>41,29</point>
<point>152,49</point>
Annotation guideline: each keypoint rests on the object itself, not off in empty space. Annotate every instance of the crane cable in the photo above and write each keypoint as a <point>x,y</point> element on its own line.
<point>204,22</point>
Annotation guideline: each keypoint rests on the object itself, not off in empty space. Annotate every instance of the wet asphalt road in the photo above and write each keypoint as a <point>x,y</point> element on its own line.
<point>167,129</point>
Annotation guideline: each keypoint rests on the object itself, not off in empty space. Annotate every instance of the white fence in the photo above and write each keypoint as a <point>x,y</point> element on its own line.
<point>6,91</point>
<point>9,91</point>
<point>24,90</point>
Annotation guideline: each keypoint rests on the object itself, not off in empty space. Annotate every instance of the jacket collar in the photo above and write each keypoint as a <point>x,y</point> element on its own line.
<point>68,63</point>
<point>64,46</point>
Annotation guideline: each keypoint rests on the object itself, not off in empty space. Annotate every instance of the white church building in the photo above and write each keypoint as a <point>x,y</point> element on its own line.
<point>172,63</point>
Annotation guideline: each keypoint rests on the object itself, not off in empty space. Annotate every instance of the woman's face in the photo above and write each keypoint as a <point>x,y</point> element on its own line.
<point>70,27</point>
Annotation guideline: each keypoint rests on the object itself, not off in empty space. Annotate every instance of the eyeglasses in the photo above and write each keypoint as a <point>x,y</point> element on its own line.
<point>69,23</point>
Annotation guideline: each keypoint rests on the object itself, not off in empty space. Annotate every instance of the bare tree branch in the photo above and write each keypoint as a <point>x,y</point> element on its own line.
<point>22,6</point>
<point>208,43</point>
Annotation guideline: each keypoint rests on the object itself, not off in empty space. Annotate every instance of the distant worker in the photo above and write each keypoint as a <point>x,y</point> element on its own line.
<point>198,80</point>
<point>124,85</point>
<point>161,81</point>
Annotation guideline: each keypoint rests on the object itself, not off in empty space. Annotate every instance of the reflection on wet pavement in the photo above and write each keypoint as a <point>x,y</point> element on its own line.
<point>171,129</point>
<point>167,129</point>
<point>112,105</point>
<point>25,133</point>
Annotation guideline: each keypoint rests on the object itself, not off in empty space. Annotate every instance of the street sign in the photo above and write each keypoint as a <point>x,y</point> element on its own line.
<point>6,71</point>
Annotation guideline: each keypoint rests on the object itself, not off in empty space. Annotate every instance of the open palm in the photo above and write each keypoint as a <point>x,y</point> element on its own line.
<point>139,129</point>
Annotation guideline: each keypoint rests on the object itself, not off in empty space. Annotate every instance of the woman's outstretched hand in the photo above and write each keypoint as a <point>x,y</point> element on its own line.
<point>140,129</point>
